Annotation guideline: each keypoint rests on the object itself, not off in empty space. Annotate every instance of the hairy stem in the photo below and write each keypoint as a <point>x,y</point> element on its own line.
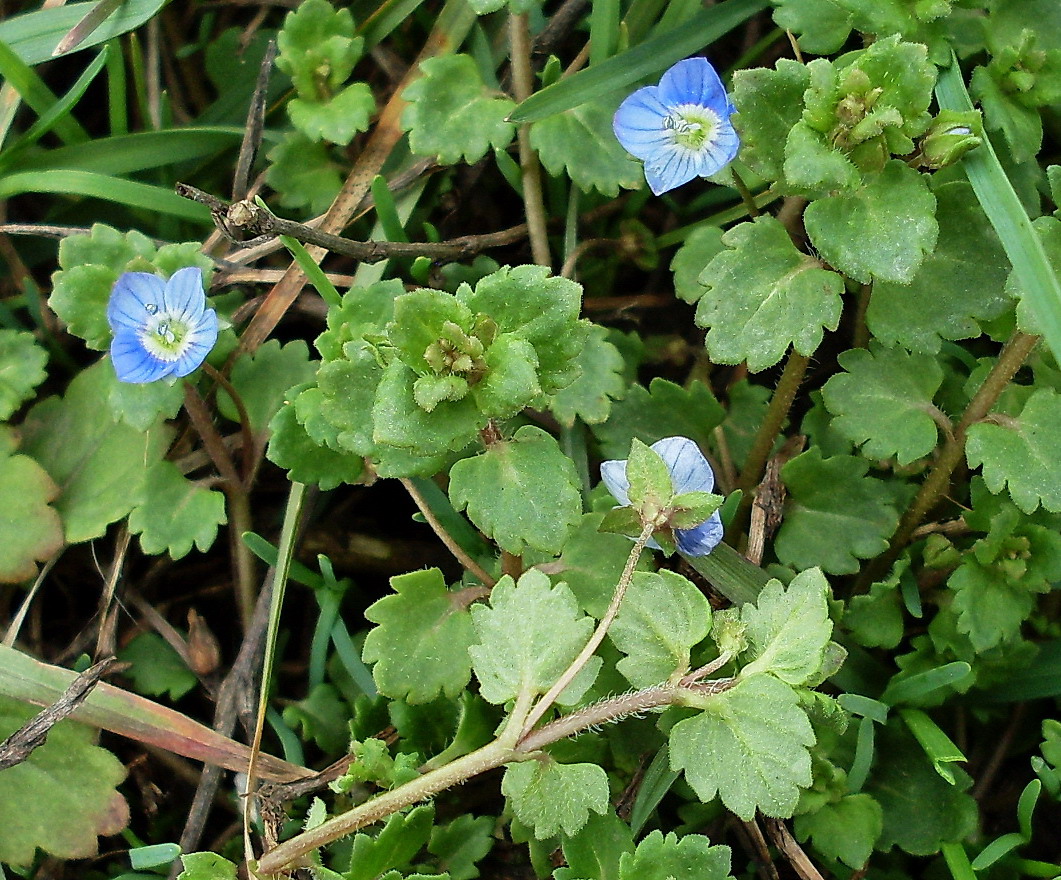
<point>599,633</point>
<point>1010,359</point>
<point>522,86</point>
<point>776,413</point>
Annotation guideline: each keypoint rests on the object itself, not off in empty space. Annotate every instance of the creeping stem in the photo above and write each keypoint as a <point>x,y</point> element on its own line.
<point>1013,354</point>
<point>522,86</point>
<point>776,413</point>
<point>599,633</point>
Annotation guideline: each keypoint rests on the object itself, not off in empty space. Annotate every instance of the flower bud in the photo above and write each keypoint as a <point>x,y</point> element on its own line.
<point>951,135</point>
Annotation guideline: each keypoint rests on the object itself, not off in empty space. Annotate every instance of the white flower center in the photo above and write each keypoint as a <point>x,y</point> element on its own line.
<point>168,336</point>
<point>692,126</point>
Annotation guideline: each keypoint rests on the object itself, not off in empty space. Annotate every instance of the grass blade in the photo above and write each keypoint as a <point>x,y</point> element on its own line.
<point>1010,220</point>
<point>634,64</point>
<point>81,31</point>
<point>31,88</point>
<point>101,186</point>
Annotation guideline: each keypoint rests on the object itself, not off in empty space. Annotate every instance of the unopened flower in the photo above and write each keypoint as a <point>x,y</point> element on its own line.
<point>161,328</point>
<point>680,129</point>
<point>689,472</point>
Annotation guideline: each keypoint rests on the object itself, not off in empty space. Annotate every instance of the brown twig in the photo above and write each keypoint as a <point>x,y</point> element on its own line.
<point>791,850</point>
<point>17,747</point>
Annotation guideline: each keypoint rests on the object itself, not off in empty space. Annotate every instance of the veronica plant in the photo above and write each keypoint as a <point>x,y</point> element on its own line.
<point>161,328</point>
<point>680,128</point>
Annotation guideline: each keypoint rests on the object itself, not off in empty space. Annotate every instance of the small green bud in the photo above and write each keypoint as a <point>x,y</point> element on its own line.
<point>951,135</point>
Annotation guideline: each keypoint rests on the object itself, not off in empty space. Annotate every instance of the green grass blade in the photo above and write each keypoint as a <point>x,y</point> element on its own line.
<point>34,35</point>
<point>130,153</point>
<point>1007,215</point>
<point>314,272</point>
<point>391,13</point>
<point>603,30</point>
<point>100,186</point>
<point>92,20</point>
<point>634,64</point>
<point>31,88</point>
<point>730,573</point>
<point>58,111</point>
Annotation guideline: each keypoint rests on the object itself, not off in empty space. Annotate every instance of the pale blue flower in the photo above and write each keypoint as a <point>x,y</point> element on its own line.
<point>161,328</point>
<point>689,472</point>
<point>680,129</point>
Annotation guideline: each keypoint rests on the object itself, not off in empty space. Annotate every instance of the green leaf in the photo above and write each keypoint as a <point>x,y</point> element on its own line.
<point>763,296</point>
<point>822,26</point>
<point>836,515</point>
<point>662,616</point>
<point>528,635</point>
<point>749,746</point>
<point>451,113</point>
<point>339,412</point>
<point>30,528</point>
<point>336,120</point>
<point>174,513</point>
<point>521,492</point>
<point>100,466</point>
<point>22,364</point>
<point>263,379</point>
<point>304,173</point>
<point>773,102</point>
<point>703,245</point>
<point>922,811</point>
<point>1021,453</point>
<point>1020,125</point>
<point>580,142</point>
<point>62,796</point>
<point>318,49</point>
<point>292,448</point>
<point>788,629</point>
<point>663,858</point>
<point>882,230</point>
<point>462,843</point>
<point>596,850</point>
<point>990,606</point>
<point>590,396</point>
<point>324,717</point>
<point>511,380</point>
<point>845,830</point>
<point>650,485</point>
<point>543,309</point>
<point>958,285</point>
<point>1048,231</point>
<point>206,866</point>
<point>399,421</point>
<point>661,410</point>
<point>142,405</point>
<point>875,619</point>
<point>883,402</point>
<point>551,797</point>
<point>394,846</point>
<point>156,669</point>
<point>420,646</point>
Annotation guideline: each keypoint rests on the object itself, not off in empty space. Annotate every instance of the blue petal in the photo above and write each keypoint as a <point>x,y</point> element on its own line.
<point>613,473</point>
<point>184,294</point>
<point>638,123</point>
<point>719,152</point>
<point>670,169</point>
<point>694,81</point>
<point>132,362</point>
<point>689,470</point>
<point>702,539</point>
<point>204,335</point>
<point>131,296</point>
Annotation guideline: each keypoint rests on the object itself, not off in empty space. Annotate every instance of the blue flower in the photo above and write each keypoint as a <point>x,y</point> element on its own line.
<point>680,129</point>
<point>161,328</point>
<point>689,472</point>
